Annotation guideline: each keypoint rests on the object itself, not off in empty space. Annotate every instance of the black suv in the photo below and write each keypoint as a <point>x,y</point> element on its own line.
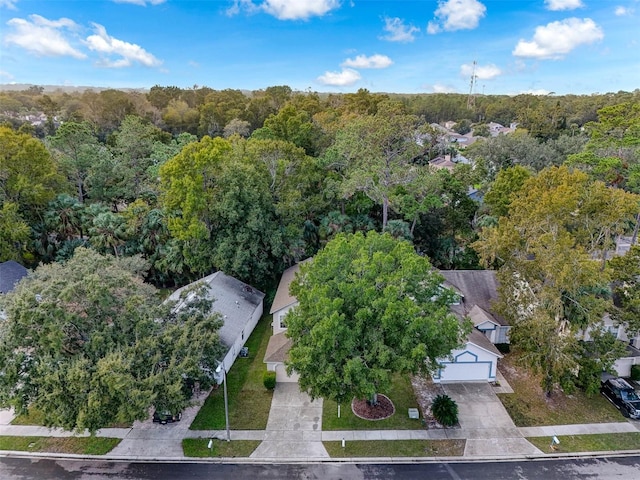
<point>622,395</point>
<point>165,416</point>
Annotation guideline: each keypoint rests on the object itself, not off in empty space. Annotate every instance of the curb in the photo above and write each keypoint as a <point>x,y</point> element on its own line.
<point>316,460</point>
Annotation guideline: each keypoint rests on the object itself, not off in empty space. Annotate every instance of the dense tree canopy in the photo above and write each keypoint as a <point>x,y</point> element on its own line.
<point>369,306</point>
<point>552,284</point>
<point>86,344</point>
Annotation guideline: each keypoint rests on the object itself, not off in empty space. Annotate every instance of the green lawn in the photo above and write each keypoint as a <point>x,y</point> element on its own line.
<point>198,447</point>
<point>590,443</point>
<point>249,400</point>
<point>528,406</point>
<point>79,445</point>
<point>402,396</point>
<point>396,448</point>
<point>32,417</point>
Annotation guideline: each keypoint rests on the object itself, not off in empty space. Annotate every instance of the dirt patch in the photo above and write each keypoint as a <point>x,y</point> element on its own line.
<point>426,391</point>
<point>363,409</point>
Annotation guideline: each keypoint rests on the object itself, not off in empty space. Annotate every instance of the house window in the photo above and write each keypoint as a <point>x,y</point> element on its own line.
<point>282,322</point>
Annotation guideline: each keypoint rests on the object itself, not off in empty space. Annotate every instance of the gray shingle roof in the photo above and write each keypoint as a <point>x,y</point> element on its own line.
<point>234,300</point>
<point>11,272</point>
<point>478,287</point>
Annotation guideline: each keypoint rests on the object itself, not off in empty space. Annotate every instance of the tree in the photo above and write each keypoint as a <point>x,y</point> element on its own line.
<point>77,149</point>
<point>626,288</point>
<point>369,306</point>
<point>86,343</point>
<point>379,153</point>
<point>220,205</point>
<point>551,284</point>
<point>505,188</point>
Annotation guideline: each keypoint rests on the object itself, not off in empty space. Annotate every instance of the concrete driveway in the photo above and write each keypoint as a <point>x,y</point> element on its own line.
<point>484,422</point>
<point>294,428</point>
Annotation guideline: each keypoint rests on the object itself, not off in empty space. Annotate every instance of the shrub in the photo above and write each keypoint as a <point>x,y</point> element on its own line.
<point>445,410</point>
<point>269,380</point>
<point>635,372</point>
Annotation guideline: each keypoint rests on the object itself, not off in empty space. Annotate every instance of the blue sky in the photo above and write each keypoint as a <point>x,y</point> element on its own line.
<point>419,46</point>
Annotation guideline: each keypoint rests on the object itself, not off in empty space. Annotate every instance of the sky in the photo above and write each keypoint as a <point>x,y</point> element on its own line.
<point>414,46</point>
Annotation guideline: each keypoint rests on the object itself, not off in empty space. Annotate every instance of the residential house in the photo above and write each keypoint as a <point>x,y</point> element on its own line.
<point>477,359</point>
<point>240,306</point>
<point>632,355</point>
<point>279,344</point>
<point>11,273</point>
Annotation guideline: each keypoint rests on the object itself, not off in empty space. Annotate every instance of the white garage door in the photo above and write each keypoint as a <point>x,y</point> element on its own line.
<point>465,372</point>
<point>281,375</point>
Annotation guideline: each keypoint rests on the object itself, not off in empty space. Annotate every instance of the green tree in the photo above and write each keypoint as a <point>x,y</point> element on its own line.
<point>369,306</point>
<point>379,154</point>
<point>551,285</point>
<point>505,188</point>
<point>445,410</point>
<point>626,288</point>
<point>76,148</point>
<point>220,205</point>
<point>86,343</point>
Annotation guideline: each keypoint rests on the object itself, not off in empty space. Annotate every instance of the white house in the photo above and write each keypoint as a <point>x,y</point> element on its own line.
<point>279,344</point>
<point>240,306</point>
<point>477,359</point>
<point>632,356</point>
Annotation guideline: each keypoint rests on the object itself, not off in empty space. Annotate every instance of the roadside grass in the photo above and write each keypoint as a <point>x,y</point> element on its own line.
<point>79,445</point>
<point>197,447</point>
<point>528,406</point>
<point>249,400</point>
<point>401,394</point>
<point>34,416</point>
<point>396,448</point>
<point>31,417</point>
<point>602,442</point>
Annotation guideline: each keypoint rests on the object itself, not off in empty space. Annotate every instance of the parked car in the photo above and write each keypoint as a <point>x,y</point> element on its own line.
<point>622,395</point>
<point>165,416</point>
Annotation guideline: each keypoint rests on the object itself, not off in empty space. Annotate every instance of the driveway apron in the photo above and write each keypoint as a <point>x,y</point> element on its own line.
<point>294,428</point>
<point>485,423</point>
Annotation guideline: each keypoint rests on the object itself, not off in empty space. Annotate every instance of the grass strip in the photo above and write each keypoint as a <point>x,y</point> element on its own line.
<point>601,442</point>
<point>528,406</point>
<point>401,394</point>
<point>79,445</point>
<point>396,448</point>
<point>249,400</point>
<point>198,447</point>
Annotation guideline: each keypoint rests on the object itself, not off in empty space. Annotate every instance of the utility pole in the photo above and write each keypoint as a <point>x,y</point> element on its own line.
<point>471,99</point>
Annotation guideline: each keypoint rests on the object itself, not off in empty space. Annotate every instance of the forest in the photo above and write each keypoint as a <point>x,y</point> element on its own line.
<point>195,180</point>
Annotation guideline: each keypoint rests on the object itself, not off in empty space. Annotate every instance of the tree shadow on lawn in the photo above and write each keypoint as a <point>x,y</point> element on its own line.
<point>249,400</point>
<point>528,406</point>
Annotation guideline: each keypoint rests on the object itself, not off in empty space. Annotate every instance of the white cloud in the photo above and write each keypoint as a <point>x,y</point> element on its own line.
<point>397,31</point>
<point>621,11</point>
<point>344,78</point>
<point>286,9</point>
<point>142,3</point>
<point>563,4</point>
<point>454,15</point>
<point>101,42</point>
<point>362,61</point>
<point>439,88</point>
<point>10,4</point>
<point>536,91</point>
<point>556,39</point>
<point>486,72</point>
<point>42,37</point>
<point>7,76</point>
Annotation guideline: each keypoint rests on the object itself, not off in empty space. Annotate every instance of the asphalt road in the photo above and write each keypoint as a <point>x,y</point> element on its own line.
<point>566,469</point>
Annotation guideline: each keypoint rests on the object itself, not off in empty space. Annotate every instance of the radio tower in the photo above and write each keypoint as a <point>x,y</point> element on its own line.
<point>471,100</point>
